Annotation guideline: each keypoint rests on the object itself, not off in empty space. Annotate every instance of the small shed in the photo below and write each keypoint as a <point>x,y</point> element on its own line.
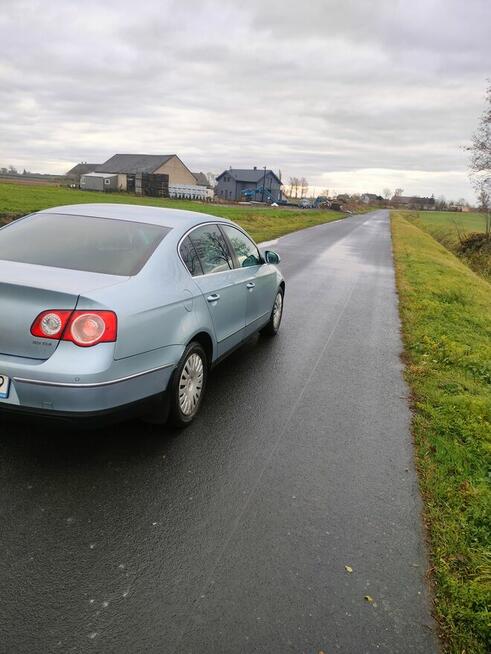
<point>99,182</point>
<point>75,173</point>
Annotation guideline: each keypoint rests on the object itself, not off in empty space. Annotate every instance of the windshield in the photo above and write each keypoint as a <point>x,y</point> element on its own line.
<point>100,245</point>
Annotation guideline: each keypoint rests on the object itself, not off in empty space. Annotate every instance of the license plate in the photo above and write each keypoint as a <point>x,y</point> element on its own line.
<point>4,386</point>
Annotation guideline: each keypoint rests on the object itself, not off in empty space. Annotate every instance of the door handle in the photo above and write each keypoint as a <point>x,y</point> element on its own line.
<point>250,285</point>
<point>214,297</point>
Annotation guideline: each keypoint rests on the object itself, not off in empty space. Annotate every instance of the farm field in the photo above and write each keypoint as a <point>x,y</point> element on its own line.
<point>446,321</point>
<point>451,221</point>
<point>263,223</point>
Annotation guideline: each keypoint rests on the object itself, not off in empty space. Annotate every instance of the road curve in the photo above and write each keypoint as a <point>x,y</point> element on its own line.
<point>233,536</point>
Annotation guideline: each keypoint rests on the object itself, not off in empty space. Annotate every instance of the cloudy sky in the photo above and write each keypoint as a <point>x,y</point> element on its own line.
<point>355,95</point>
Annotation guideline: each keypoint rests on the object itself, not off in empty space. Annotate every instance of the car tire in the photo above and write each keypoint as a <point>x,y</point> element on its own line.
<point>188,386</point>
<point>273,325</point>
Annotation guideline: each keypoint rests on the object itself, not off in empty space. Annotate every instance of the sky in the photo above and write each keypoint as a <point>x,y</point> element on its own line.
<point>353,95</point>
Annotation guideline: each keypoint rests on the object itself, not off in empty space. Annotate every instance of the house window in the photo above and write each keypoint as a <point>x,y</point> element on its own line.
<point>107,180</point>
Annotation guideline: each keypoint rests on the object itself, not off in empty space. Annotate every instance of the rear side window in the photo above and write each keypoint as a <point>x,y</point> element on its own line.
<point>100,245</point>
<point>190,258</point>
<point>211,249</point>
<point>245,250</point>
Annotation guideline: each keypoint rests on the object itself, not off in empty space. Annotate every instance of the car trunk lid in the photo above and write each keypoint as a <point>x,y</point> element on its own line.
<point>26,290</point>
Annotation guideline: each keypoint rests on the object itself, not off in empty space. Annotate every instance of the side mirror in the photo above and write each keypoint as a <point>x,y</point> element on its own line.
<point>271,257</point>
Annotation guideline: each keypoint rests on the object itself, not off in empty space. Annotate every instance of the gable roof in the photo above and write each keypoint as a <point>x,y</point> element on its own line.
<point>412,199</point>
<point>201,179</point>
<point>252,175</point>
<point>131,164</point>
<point>81,169</point>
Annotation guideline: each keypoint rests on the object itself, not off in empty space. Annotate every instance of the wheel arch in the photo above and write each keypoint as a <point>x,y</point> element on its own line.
<point>206,342</point>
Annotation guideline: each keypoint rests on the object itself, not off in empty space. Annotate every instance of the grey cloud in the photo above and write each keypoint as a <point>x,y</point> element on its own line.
<point>325,89</point>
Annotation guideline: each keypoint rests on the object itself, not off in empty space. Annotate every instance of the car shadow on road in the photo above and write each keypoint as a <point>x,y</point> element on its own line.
<point>53,444</point>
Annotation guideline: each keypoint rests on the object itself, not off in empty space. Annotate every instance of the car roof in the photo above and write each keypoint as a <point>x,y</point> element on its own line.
<point>138,213</point>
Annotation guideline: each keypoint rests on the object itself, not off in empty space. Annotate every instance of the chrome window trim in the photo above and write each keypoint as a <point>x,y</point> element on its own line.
<point>231,245</point>
<point>192,229</point>
<point>39,382</point>
<point>181,241</point>
<point>210,222</point>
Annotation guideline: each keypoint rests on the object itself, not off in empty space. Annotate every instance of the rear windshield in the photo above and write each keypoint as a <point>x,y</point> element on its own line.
<point>100,245</point>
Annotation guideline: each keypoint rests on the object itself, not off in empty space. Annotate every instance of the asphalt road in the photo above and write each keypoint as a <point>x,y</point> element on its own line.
<point>233,536</point>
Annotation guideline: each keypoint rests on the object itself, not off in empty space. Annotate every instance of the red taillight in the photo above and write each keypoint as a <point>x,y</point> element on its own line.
<point>50,324</point>
<point>84,328</point>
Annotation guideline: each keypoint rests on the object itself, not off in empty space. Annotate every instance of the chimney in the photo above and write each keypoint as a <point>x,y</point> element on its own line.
<point>255,167</point>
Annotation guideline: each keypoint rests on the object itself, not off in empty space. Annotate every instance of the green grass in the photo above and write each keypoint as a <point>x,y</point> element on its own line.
<point>450,222</point>
<point>446,319</point>
<point>449,228</point>
<point>263,223</point>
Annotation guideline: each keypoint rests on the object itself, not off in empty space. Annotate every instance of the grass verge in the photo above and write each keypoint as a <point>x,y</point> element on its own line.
<point>263,223</point>
<point>446,320</point>
<point>455,230</point>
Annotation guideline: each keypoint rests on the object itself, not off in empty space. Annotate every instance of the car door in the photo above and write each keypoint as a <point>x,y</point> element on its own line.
<point>258,278</point>
<point>217,282</point>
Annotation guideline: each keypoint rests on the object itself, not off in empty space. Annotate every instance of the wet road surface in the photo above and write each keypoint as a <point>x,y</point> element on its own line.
<point>233,536</point>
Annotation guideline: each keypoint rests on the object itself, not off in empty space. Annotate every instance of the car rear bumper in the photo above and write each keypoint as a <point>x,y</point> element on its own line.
<point>77,401</point>
<point>41,388</point>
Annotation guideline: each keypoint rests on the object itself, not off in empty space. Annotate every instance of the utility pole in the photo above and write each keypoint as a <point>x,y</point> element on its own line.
<point>264,182</point>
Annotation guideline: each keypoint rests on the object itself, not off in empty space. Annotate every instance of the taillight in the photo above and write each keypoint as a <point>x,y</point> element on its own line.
<point>84,328</point>
<point>50,324</point>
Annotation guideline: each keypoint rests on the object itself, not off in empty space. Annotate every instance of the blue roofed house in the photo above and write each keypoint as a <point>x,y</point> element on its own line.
<point>255,183</point>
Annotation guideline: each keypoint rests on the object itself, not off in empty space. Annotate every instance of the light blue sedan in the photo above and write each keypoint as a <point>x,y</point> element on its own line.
<point>121,309</point>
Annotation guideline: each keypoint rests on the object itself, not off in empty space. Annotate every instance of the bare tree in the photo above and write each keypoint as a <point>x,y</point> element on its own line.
<point>325,191</point>
<point>441,203</point>
<point>296,185</point>
<point>291,184</point>
<point>398,192</point>
<point>480,162</point>
<point>304,186</point>
<point>387,193</point>
<point>480,147</point>
<point>212,179</point>
<point>484,198</point>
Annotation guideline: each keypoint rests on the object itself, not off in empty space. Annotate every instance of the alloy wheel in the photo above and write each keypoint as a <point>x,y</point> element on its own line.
<point>191,384</point>
<point>277,310</point>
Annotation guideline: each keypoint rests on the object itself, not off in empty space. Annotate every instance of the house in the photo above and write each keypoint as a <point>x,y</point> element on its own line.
<point>370,198</point>
<point>202,180</point>
<point>75,173</point>
<point>128,166</point>
<point>99,182</point>
<point>413,202</point>
<point>255,183</point>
